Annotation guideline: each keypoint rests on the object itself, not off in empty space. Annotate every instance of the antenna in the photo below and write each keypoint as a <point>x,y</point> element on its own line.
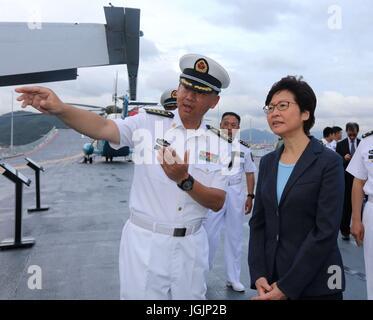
<point>125,106</point>
<point>116,93</point>
<point>250,132</point>
<point>11,127</point>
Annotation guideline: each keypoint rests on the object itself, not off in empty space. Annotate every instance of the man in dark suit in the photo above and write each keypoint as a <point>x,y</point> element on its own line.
<point>346,148</point>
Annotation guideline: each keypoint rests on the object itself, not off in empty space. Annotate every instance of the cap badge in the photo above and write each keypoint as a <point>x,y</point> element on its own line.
<point>201,66</point>
<point>174,94</point>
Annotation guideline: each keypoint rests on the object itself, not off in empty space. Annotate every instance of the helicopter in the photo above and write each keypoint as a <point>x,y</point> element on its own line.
<point>115,43</point>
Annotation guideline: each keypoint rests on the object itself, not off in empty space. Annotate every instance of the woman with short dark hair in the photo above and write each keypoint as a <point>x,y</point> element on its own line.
<point>293,251</point>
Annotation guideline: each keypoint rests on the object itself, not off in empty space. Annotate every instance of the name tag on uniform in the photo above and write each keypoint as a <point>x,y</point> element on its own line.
<point>209,157</point>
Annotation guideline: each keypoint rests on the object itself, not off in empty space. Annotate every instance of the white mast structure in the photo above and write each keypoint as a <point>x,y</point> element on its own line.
<point>11,126</point>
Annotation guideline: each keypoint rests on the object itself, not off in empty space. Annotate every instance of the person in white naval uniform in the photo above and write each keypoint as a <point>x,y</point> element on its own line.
<point>361,167</point>
<point>178,176</point>
<point>237,204</point>
<point>169,99</point>
<point>328,139</point>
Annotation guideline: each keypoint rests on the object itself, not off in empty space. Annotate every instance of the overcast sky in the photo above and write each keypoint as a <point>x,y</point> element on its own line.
<point>329,43</point>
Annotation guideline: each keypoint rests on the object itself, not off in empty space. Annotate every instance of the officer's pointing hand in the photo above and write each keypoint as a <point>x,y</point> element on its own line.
<point>42,99</point>
<point>175,168</point>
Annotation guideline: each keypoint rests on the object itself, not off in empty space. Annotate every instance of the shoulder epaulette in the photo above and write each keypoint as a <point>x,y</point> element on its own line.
<point>159,112</point>
<point>367,134</point>
<point>245,144</point>
<point>219,133</point>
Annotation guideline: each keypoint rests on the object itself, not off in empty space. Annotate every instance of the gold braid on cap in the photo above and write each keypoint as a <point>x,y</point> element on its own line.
<point>189,84</point>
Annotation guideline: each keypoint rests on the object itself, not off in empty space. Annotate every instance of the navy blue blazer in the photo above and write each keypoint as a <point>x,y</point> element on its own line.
<point>295,241</point>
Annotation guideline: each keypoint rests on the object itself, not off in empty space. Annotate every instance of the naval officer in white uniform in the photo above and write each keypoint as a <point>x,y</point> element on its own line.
<point>238,203</point>
<point>169,99</point>
<point>361,167</point>
<point>178,177</point>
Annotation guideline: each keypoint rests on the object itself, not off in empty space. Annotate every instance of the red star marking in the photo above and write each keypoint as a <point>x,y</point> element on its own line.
<point>201,65</point>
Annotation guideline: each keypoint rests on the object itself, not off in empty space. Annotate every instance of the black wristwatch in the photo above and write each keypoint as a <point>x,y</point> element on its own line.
<point>187,184</point>
<point>251,195</point>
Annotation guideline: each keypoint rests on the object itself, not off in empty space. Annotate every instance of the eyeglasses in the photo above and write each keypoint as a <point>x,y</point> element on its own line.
<point>281,106</point>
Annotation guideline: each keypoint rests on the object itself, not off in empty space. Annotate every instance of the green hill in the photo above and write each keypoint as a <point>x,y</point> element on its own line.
<point>28,127</point>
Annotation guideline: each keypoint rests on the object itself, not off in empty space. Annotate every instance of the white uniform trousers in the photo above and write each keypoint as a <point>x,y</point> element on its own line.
<point>231,216</point>
<point>368,246</point>
<point>154,266</point>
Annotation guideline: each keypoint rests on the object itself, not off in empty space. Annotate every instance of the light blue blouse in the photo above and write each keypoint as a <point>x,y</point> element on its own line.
<point>284,172</point>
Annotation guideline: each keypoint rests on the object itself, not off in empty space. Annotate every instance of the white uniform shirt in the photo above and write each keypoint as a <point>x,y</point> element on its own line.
<point>245,161</point>
<point>155,196</point>
<point>332,145</point>
<point>361,164</point>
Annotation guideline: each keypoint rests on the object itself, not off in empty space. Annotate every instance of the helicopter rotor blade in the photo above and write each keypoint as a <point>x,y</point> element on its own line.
<point>86,105</point>
<point>137,103</point>
<point>99,111</point>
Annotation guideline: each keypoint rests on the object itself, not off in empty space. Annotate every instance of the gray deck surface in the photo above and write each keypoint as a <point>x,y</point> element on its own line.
<point>77,240</point>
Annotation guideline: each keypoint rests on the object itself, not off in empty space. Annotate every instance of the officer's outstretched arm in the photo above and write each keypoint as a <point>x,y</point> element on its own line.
<point>85,122</point>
